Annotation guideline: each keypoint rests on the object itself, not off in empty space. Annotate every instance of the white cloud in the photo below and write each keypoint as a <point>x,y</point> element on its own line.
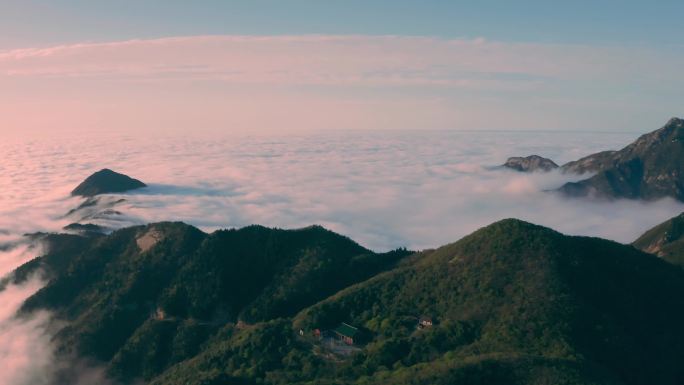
<point>330,60</point>
<point>319,60</point>
<point>248,83</point>
<point>383,189</point>
<point>25,354</point>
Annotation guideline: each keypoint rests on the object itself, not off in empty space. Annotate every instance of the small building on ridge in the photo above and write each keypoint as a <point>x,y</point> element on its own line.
<point>346,333</point>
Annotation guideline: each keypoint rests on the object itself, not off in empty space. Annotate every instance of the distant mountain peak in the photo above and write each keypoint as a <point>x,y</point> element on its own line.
<point>671,128</point>
<point>650,168</point>
<point>106,181</point>
<point>530,163</point>
<point>675,121</point>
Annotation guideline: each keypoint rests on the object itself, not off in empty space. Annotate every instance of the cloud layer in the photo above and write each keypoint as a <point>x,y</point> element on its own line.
<point>26,356</point>
<point>248,83</point>
<point>220,94</point>
<point>313,60</point>
<point>383,189</point>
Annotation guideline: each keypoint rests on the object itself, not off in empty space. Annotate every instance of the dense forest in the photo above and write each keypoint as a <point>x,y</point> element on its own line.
<point>512,303</point>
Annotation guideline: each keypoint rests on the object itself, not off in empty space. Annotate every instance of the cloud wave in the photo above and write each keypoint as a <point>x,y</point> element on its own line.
<point>383,189</point>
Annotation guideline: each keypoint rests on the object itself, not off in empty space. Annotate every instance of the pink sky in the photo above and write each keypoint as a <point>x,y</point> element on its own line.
<point>243,83</point>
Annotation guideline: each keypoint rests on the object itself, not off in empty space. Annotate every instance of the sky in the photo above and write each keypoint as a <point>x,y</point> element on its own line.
<point>381,120</point>
<point>582,21</point>
<point>246,66</point>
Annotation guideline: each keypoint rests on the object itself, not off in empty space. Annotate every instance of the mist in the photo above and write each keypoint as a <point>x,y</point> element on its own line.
<point>383,189</point>
<point>25,351</point>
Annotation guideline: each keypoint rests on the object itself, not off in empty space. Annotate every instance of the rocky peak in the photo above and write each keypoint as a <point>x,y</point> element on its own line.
<point>106,181</point>
<point>650,168</point>
<point>671,132</point>
<point>530,163</point>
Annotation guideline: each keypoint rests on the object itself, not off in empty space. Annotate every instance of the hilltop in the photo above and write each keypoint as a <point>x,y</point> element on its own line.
<point>530,163</point>
<point>652,167</point>
<point>146,297</point>
<point>512,303</point>
<point>520,303</point>
<point>665,240</point>
<point>106,181</point>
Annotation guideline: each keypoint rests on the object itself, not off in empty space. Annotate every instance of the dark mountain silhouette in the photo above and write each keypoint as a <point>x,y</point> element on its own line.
<point>650,168</point>
<point>519,303</point>
<point>590,164</point>
<point>106,182</point>
<point>530,163</point>
<point>512,303</point>
<point>118,292</point>
<point>665,240</point>
<point>84,228</point>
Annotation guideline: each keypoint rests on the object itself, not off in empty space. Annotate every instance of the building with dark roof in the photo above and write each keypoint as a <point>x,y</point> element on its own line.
<point>346,333</point>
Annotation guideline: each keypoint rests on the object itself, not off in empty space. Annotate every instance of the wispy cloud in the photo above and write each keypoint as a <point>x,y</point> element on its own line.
<point>247,83</point>
<point>384,189</point>
<point>327,60</point>
<point>313,60</point>
<point>25,353</point>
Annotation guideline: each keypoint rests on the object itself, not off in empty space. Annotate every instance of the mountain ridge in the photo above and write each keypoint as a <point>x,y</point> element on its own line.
<point>531,163</point>
<point>106,181</point>
<point>665,240</point>
<point>512,302</point>
<point>650,168</point>
<point>114,290</point>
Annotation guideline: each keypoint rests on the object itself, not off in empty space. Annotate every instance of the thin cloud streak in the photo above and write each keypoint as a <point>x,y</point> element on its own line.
<point>318,82</point>
<point>327,60</point>
<point>280,60</point>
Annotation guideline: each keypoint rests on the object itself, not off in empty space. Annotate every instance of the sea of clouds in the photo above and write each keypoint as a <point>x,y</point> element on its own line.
<point>415,189</point>
<point>383,189</point>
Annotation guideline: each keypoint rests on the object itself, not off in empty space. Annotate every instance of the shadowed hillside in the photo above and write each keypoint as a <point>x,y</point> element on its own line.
<point>106,181</point>
<point>665,240</point>
<point>145,297</point>
<point>512,303</point>
<point>650,168</point>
